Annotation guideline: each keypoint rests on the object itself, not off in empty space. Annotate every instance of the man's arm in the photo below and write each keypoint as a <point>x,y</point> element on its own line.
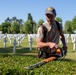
<point>41,44</point>
<point>63,42</point>
<point>62,37</point>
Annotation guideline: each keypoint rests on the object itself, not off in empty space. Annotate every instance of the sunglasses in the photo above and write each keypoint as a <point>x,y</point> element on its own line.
<point>49,15</point>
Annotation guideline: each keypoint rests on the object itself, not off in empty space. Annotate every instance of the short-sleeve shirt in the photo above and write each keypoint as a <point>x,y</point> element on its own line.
<point>54,32</point>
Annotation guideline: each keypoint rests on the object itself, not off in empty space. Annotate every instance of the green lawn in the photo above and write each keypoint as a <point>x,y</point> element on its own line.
<point>13,64</point>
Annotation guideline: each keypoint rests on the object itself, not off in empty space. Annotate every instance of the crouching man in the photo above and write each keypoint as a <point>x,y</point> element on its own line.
<point>48,35</point>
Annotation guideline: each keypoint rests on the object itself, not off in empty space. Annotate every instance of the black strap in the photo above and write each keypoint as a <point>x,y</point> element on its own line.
<point>44,30</point>
<point>58,25</point>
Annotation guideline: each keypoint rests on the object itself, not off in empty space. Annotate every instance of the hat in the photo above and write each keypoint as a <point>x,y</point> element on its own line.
<point>50,10</point>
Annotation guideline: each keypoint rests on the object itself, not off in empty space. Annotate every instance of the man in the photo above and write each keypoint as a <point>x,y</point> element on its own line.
<point>48,40</point>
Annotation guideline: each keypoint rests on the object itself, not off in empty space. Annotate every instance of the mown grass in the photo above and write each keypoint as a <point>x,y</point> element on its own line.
<point>13,64</point>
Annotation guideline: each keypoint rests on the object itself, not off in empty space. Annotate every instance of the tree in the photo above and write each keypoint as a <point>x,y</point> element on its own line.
<point>0,28</point>
<point>74,23</point>
<point>40,22</point>
<point>4,27</point>
<point>58,19</point>
<point>27,27</point>
<point>67,27</point>
<point>31,21</point>
<point>20,22</point>
<point>8,20</point>
<point>15,27</point>
<point>14,18</point>
<point>30,17</point>
<point>34,27</point>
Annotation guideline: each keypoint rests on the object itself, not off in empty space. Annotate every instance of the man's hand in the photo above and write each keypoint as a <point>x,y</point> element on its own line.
<point>52,45</point>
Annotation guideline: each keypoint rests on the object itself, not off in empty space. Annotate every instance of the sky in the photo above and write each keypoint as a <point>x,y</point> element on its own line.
<point>65,9</point>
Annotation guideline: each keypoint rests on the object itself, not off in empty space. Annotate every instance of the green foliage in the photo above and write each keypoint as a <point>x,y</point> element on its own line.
<point>14,65</point>
<point>32,23</point>
<point>4,27</point>
<point>74,23</point>
<point>19,22</point>
<point>30,17</point>
<point>27,26</point>
<point>34,27</point>
<point>40,22</point>
<point>15,27</point>
<point>0,28</point>
<point>14,18</point>
<point>8,20</point>
<point>68,27</point>
<point>58,19</point>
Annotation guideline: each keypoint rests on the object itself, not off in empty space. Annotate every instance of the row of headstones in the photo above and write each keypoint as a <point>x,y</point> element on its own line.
<point>20,37</point>
<point>30,36</point>
<point>17,39</point>
<point>3,38</point>
<point>73,37</point>
<point>67,37</point>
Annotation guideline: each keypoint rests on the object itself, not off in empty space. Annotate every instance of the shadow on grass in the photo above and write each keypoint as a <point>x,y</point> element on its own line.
<point>23,55</point>
<point>34,56</point>
<point>18,50</point>
<point>67,60</point>
<point>25,51</point>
